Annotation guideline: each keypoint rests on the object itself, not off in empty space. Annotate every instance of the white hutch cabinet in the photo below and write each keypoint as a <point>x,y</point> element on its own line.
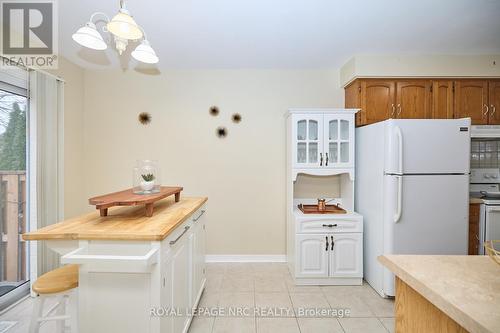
<point>323,141</point>
<point>323,249</point>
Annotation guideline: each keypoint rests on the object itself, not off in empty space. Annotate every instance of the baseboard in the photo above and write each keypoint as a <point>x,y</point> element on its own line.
<point>245,258</point>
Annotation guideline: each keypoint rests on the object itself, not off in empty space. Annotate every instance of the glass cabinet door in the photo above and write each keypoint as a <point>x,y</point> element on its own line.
<point>307,137</point>
<point>339,133</point>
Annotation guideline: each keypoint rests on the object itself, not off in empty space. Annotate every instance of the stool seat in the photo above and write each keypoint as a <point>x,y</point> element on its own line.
<point>58,280</point>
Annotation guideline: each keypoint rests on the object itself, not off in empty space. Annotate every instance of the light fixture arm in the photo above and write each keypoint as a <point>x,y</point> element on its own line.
<point>92,17</point>
<point>143,33</point>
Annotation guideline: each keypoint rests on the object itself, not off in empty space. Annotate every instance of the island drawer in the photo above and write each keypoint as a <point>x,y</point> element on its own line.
<point>114,256</point>
<point>322,225</point>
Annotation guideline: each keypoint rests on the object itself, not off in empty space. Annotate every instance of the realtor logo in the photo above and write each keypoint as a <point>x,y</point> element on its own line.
<point>29,33</point>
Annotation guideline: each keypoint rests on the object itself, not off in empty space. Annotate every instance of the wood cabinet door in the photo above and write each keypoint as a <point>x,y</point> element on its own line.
<point>442,99</point>
<point>312,255</point>
<point>346,255</point>
<point>353,100</point>
<point>413,99</point>
<point>377,100</point>
<point>494,102</point>
<point>474,229</point>
<point>471,100</point>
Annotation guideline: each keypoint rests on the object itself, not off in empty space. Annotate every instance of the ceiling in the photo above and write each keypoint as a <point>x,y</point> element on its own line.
<point>194,34</point>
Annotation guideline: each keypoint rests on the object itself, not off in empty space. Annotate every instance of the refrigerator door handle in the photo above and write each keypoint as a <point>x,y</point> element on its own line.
<point>397,216</point>
<point>399,136</point>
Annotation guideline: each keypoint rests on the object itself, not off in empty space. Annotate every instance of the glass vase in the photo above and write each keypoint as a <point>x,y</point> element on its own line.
<point>146,177</point>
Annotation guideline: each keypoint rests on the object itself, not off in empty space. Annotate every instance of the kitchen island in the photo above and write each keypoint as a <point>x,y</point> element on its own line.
<point>445,293</point>
<point>134,270</point>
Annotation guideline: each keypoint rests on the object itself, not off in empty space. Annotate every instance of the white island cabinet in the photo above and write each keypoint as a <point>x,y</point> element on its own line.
<point>137,273</point>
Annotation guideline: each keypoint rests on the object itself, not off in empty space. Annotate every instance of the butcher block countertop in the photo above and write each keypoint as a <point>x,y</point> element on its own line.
<point>123,223</point>
<point>466,288</point>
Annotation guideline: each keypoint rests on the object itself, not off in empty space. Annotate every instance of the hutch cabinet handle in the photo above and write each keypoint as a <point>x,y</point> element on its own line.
<point>199,216</point>
<point>330,225</point>
<point>186,228</point>
<point>485,113</point>
<point>326,249</point>
<point>326,159</point>
<point>333,243</point>
<point>320,159</point>
<point>399,109</point>
<point>493,109</point>
<point>393,110</point>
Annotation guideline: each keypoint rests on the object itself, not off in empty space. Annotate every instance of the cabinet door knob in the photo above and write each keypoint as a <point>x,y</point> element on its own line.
<point>326,163</point>
<point>399,109</point>
<point>326,248</point>
<point>330,225</point>
<point>333,243</point>
<point>493,109</point>
<point>320,159</point>
<point>393,110</point>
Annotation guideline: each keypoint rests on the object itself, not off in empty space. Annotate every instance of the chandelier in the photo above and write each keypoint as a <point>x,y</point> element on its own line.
<point>123,28</point>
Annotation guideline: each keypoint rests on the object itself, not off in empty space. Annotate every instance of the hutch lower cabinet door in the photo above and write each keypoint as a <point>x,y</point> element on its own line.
<point>312,256</point>
<point>346,255</point>
<point>330,255</point>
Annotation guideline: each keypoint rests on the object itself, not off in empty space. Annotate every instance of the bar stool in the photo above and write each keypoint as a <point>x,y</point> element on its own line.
<point>60,283</point>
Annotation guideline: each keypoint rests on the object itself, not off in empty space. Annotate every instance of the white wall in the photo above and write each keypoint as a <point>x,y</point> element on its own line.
<point>420,65</point>
<point>243,175</point>
<point>75,201</point>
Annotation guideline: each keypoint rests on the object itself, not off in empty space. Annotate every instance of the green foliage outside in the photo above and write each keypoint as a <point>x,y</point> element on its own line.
<point>13,141</point>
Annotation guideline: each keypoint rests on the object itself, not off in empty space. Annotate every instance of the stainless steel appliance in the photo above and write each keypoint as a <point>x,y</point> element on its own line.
<point>487,180</point>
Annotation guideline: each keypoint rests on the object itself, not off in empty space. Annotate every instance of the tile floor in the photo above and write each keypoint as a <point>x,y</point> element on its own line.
<point>266,287</point>
<point>269,286</point>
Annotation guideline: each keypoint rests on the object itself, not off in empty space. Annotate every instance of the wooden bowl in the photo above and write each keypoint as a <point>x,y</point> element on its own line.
<point>490,246</point>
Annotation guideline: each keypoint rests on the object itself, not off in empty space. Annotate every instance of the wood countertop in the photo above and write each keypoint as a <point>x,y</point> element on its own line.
<point>466,288</point>
<point>123,223</point>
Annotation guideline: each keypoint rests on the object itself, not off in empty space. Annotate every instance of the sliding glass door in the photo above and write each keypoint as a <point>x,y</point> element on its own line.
<point>14,265</point>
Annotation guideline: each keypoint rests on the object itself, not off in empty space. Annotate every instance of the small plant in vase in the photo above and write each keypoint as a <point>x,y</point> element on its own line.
<point>147,182</point>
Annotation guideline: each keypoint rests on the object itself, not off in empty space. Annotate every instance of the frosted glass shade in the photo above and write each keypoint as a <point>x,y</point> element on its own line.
<point>124,26</point>
<point>88,36</point>
<point>145,53</point>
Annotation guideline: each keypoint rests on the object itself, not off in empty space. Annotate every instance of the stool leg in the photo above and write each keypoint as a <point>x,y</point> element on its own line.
<point>61,311</point>
<point>37,313</point>
<point>73,311</point>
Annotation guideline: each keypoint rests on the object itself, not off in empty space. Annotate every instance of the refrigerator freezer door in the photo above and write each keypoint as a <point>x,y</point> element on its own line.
<point>437,146</point>
<point>433,220</point>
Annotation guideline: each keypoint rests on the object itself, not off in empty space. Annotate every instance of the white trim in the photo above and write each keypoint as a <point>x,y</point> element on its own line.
<point>32,177</point>
<point>291,111</point>
<point>245,258</point>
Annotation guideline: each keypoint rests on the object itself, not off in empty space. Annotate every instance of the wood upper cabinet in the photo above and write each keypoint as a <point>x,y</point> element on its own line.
<point>381,99</point>
<point>471,100</point>
<point>442,99</point>
<point>377,100</point>
<point>353,99</point>
<point>494,102</point>
<point>413,99</point>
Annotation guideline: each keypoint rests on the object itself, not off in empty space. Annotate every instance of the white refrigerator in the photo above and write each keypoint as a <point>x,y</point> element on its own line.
<point>412,188</point>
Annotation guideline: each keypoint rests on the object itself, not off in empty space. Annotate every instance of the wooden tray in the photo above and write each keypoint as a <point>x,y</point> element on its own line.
<point>313,209</point>
<point>129,198</point>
